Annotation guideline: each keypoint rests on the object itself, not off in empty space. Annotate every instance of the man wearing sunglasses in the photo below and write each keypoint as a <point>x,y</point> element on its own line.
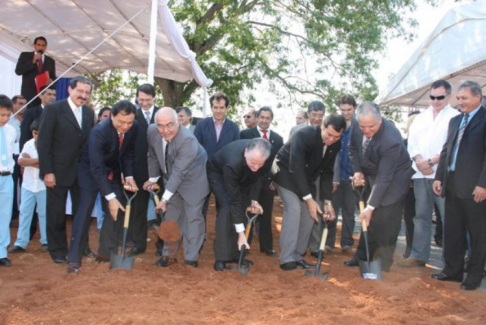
<point>427,136</point>
<point>251,118</point>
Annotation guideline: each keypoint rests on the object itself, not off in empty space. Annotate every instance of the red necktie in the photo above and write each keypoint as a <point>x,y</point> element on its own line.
<point>40,65</point>
<point>264,134</point>
<point>120,142</point>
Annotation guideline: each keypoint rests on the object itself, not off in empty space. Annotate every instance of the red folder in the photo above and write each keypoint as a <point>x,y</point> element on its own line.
<point>41,80</point>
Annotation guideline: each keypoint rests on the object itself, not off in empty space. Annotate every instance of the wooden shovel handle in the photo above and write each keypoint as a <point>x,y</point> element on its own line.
<point>127,216</point>
<point>363,222</point>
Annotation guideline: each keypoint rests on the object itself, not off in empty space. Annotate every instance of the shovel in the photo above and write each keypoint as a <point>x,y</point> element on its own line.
<point>317,272</point>
<point>120,261</point>
<point>370,270</point>
<point>154,190</point>
<point>251,220</point>
<point>240,268</point>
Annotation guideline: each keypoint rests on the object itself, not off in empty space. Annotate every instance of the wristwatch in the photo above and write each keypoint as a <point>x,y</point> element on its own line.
<point>431,164</point>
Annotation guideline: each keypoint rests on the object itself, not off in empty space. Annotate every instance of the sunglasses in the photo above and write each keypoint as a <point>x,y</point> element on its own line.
<point>437,97</point>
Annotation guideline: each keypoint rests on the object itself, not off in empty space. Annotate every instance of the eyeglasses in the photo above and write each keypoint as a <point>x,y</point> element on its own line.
<point>437,97</point>
<point>247,116</point>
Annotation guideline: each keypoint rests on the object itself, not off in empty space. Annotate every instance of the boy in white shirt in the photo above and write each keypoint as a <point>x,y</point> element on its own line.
<point>33,192</point>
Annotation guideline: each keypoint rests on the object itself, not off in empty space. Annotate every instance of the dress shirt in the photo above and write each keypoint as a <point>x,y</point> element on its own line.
<point>14,121</point>
<point>167,194</point>
<point>112,195</point>
<point>427,136</point>
<point>151,110</point>
<point>31,180</point>
<point>218,127</point>
<point>452,166</point>
<point>77,111</point>
<point>261,133</point>
<point>10,135</point>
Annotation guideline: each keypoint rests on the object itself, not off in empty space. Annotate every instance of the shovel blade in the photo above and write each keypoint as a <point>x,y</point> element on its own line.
<point>121,262</point>
<point>322,276</point>
<point>370,270</point>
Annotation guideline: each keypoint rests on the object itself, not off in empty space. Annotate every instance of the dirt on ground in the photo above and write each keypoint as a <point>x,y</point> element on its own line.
<point>34,290</point>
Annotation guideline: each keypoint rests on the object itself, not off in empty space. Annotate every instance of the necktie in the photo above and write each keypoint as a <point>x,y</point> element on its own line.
<point>166,153</point>
<point>264,134</point>
<point>77,114</point>
<point>147,117</point>
<point>3,144</point>
<point>460,133</point>
<point>365,146</point>
<point>120,140</point>
<point>40,64</point>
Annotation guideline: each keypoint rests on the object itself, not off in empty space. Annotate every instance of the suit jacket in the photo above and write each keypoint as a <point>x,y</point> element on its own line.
<point>61,140</point>
<point>386,164</point>
<point>299,162</point>
<point>141,147</point>
<point>29,70</point>
<point>205,133</point>
<point>275,140</point>
<point>471,156</point>
<point>186,163</point>
<point>297,127</point>
<point>231,164</point>
<point>101,155</point>
<point>30,116</point>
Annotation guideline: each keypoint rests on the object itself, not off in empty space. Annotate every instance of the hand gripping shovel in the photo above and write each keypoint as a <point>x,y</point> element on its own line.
<point>317,272</point>
<point>120,261</point>
<point>241,268</point>
<point>251,220</point>
<point>370,270</point>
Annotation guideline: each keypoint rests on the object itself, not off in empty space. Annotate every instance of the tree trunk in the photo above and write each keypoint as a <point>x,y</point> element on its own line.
<point>172,91</point>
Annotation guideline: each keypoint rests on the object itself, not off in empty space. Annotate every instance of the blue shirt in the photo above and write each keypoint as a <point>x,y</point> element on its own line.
<point>452,166</point>
<point>345,169</point>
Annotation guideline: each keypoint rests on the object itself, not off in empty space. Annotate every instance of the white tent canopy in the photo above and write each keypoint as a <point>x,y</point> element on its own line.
<point>454,51</point>
<point>74,27</point>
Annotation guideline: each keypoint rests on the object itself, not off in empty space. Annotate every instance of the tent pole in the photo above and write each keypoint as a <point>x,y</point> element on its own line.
<point>153,39</point>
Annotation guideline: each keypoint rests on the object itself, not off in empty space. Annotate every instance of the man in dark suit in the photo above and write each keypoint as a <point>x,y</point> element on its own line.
<point>265,118</point>
<point>137,232</point>
<point>380,160</point>
<point>236,178</point>
<point>310,153</point>
<point>174,150</point>
<point>32,64</point>
<point>64,128</point>
<point>107,154</point>
<point>461,178</point>
<point>30,115</point>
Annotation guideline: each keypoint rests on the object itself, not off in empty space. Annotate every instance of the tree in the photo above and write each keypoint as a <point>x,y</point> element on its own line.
<point>331,43</point>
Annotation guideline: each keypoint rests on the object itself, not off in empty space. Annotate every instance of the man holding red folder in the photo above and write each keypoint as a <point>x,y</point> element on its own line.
<point>35,66</point>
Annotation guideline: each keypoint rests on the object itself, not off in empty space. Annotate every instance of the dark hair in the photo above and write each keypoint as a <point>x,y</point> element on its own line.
<point>5,102</point>
<point>473,86</point>
<point>104,109</point>
<point>146,89</point>
<point>51,87</point>
<point>261,145</point>
<point>185,109</point>
<point>218,97</point>
<point>80,79</point>
<point>347,99</point>
<point>123,106</point>
<point>34,126</point>
<point>265,109</point>
<point>442,83</point>
<point>316,106</point>
<point>338,122</point>
<point>40,38</point>
<point>16,98</point>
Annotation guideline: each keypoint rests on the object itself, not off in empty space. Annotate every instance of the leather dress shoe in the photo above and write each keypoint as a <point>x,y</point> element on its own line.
<point>60,260</point>
<point>165,261</point>
<point>191,263</point>
<point>305,265</point>
<point>5,262</point>
<point>134,251</point>
<point>468,286</point>
<point>219,266</point>
<point>352,262</point>
<point>410,262</point>
<point>314,254</point>
<point>89,253</point>
<point>102,258</point>
<point>73,268</point>
<point>289,266</point>
<point>269,252</point>
<point>444,277</point>
<point>16,249</point>
<point>244,262</point>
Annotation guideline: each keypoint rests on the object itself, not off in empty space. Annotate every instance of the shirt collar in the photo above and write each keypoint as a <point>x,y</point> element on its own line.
<point>71,104</point>
<point>472,113</point>
<point>216,123</point>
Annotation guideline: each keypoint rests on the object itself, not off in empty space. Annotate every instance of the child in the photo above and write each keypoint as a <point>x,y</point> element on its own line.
<point>7,142</point>
<point>33,192</point>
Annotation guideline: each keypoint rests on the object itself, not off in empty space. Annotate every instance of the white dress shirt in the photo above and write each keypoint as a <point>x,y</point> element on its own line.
<point>10,134</point>
<point>77,111</point>
<point>14,121</point>
<point>31,180</point>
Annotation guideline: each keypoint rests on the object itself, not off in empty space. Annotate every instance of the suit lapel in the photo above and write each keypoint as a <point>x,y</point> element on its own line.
<point>475,121</point>
<point>69,115</point>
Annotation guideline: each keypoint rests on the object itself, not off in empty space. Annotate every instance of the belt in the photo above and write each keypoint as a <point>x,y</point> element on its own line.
<point>5,173</point>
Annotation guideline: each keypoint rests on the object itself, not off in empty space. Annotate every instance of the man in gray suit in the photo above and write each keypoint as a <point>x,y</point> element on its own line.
<point>176,152</point>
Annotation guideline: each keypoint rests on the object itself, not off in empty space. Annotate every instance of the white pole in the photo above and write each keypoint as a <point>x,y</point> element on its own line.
<point>153,39</point>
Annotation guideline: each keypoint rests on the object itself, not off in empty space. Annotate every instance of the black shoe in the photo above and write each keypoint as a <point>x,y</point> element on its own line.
<point>289,266</point>
<point>444,277</point>
<point>102,258</point>
<point>135,251</point>
<point>219,266</point>
<point>352,262</point>
<point>159,246</point>
<point>16,249</point>
<point>191,263</point>
<point>467,286</point>
<point>165,261</point>
<point>314,254</point>
<point>73,268</point>
<point>438,241</point>
<point>88,253</point>
<point>244,262</point>
<point>269,252</point>
<point>306,265</point>
<point>5,262</point>
<point>60,260</point>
